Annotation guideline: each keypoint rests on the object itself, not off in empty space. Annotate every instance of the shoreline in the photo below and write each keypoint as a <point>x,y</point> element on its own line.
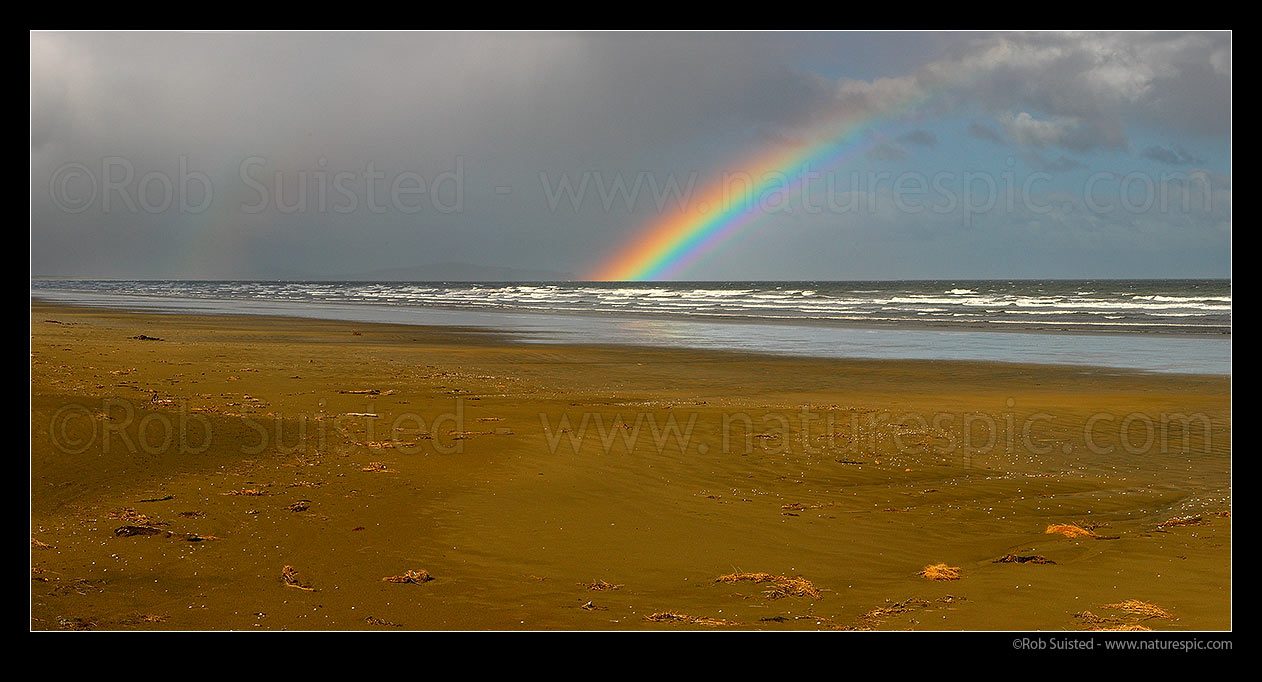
<point>856,322</point>
<point>537,327</point>
<point>842,472</point>
<point>491,336</point>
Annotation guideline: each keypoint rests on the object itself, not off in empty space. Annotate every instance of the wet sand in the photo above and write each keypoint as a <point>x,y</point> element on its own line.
<point>175,476</point>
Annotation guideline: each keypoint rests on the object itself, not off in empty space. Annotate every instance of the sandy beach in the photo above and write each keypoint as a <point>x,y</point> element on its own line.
<point>232,472</point>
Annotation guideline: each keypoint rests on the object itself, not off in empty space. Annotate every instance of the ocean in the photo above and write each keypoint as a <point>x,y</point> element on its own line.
<point>1155,325</point>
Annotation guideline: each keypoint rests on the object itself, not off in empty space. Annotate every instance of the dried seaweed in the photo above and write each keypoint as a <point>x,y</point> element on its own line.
<point>415,577</point>
<point>940,572</point>
<point>134,531</point>
<point>875,616</point>
<point>290,578</point>
<point>1016,559</point>
<point>779,586</point>
<point>601,586</point>
<point>1141,609</point>
<point>1070,531</point>
<point>684,619</point>
<point>1196,520</point>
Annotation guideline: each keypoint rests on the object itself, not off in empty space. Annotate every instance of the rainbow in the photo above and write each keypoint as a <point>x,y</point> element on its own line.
<point>666,247</point>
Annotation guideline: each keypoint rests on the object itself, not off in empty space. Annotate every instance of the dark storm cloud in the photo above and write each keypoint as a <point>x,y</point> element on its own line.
<point>512,108</point>
<point>509,113</point>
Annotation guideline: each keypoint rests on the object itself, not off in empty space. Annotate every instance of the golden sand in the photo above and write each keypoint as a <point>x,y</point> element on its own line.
<point>320,460</point>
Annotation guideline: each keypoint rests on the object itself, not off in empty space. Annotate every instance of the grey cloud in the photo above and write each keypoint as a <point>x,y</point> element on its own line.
<point>1029,131</point>
<point>923,138</point>
<point>513,108</point>
<point>984,132</point>
<point>1059,164</point>
<point>886,152</point>
<point>896,150</point>
<point>1174,156</point>
<point>1088,83</point>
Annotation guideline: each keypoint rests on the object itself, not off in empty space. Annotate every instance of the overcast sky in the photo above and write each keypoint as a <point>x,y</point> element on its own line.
<point>328,155</point>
